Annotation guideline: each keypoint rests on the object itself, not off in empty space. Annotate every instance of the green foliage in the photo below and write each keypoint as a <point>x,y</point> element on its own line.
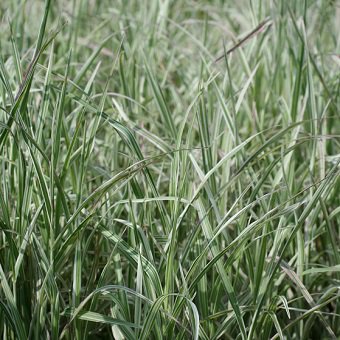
<point>169,169</point>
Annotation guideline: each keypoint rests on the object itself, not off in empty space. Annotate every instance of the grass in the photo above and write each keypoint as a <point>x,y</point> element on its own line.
<point>169,169</point>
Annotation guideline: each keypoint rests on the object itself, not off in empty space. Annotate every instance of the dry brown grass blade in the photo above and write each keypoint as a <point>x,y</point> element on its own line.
<point>259,28</point>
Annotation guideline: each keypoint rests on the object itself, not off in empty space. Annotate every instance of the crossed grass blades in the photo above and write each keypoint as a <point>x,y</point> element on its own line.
<point>169,169</point>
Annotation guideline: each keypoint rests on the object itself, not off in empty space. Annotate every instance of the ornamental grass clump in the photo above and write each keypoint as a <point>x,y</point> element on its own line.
<point>169,169</point>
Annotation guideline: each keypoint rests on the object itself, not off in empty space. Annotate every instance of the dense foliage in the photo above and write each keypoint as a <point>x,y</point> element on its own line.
<point>169,169</point>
